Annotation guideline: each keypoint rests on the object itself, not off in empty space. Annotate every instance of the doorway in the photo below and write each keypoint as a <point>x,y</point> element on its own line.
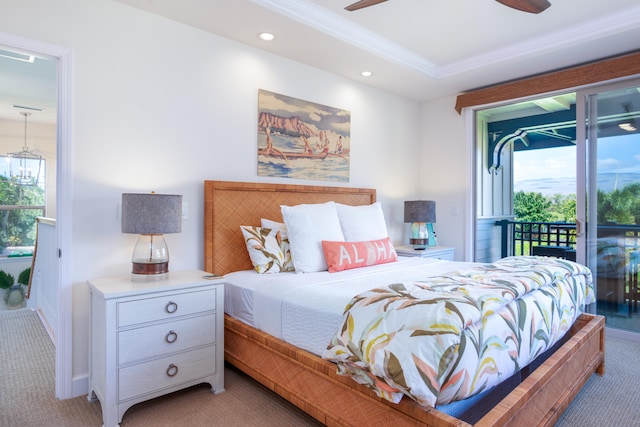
<point>28,119</point>
<point>62,56</point>
<point>525,177</point>
<point>537,172</point>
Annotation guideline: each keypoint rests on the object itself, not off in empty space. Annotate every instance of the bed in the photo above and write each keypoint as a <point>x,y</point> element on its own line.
<point>312,384</point>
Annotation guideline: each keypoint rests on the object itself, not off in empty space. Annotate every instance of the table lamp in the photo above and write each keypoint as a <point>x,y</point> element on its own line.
<point>151,215</point>
<point>421,214</point>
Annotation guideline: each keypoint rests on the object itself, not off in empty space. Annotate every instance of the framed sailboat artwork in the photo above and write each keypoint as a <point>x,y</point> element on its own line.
<point>301,139</point>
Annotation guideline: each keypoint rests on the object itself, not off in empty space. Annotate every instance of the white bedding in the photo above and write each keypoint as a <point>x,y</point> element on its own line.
<point>306,309</point>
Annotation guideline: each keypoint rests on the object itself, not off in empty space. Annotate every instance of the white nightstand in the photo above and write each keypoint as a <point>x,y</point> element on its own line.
<point>154,337</point>
<point>439,252</point>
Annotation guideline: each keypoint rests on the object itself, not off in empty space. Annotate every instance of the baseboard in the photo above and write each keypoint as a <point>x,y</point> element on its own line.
<point>80,385</point>
<point>46,324</point>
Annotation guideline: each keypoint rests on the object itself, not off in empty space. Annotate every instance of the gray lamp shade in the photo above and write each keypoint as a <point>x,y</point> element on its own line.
<point>151,213</point>
<point>420,211</point>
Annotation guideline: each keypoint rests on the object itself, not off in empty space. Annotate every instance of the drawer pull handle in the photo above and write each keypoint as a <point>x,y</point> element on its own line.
<point>172,370</point>
<point>171,307</point>
<point>171,337</point>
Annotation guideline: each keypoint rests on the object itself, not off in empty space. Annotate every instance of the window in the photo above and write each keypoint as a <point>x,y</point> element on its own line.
<point>22,200</point>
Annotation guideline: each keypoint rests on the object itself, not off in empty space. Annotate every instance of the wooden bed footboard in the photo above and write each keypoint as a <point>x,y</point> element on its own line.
<point>311,383</point>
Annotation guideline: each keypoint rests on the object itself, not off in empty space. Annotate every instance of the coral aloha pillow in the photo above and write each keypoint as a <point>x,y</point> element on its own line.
<point>361,223</point>
<point>307,226</point>
<point>284,242</point>
<point>347,255</point>
<point>263,245</point>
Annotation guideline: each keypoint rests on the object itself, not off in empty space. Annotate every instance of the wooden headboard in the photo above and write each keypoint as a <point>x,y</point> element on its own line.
<point>228,205</point>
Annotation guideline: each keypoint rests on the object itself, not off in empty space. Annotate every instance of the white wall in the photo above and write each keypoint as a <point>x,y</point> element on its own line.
<point>446,172</point>
<point>161,106</point>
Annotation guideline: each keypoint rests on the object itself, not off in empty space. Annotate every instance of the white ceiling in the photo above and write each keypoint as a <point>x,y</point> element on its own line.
<point>419,49</point>
<point>27,84</point>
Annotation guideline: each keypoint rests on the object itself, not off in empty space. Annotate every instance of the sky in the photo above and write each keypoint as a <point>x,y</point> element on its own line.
<point>617,154</point>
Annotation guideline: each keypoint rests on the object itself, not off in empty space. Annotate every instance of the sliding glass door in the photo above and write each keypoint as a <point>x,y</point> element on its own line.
<point>560,176</point>
<point>608,197</point>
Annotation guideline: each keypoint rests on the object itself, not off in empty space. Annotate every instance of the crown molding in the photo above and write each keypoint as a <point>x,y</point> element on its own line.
<point>614,23</point>
<point>309,13</point>
<point>319,18</point>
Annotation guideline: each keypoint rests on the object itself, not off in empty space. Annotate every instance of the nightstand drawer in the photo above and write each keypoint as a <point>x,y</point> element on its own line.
<point>165,306</point>
<point>144,378</point>
<point>164,338</point>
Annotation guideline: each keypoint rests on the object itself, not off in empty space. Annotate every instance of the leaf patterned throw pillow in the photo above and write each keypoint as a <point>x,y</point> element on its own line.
<point>263,246</point>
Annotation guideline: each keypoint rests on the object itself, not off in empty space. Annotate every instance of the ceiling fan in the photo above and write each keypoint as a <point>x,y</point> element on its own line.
<point>531,6</point>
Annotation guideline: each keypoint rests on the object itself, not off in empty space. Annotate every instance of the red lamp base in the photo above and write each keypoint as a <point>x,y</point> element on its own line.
<point>150,268</point>
<point>422,242</point>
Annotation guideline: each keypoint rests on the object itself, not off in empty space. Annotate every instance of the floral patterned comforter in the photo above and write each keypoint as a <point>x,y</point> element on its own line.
<point>450,337</point>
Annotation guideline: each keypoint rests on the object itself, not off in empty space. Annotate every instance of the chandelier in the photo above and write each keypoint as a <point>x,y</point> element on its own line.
<point>25,166</point>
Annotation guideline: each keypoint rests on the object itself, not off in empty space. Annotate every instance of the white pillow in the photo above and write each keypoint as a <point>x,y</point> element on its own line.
<point>307,226</point>
<point>362,223</point>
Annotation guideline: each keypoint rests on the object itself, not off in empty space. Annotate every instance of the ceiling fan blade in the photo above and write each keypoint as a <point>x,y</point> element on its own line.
<point>362,4</point>
<point>531,6</point>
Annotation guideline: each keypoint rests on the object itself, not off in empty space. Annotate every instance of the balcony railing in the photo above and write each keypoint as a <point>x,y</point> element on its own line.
<point>520,238</point>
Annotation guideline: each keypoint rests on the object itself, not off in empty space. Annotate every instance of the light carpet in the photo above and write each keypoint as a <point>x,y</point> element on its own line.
<point>27,391</point>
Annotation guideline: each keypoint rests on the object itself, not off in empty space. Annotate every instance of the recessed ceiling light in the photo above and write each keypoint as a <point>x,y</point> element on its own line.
<point>366,74</point>
<point>267,36</point>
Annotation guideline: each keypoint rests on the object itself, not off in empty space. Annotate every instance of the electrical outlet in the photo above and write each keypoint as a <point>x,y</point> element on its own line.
<point>185,210</point>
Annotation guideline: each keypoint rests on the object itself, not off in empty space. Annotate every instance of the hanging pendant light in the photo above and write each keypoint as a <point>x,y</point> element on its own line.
<point>25,166</point>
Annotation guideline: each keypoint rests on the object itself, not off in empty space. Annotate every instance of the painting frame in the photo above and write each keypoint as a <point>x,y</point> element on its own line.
<point>302,139</point>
